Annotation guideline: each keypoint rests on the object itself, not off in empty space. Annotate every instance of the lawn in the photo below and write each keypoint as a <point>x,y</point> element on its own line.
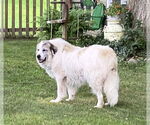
<point>28,89</point>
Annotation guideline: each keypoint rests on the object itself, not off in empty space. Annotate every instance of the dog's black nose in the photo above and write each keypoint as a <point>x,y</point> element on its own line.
<point>38,56</point>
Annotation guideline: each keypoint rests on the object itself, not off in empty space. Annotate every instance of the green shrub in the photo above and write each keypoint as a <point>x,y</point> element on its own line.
<point>132,44</point>
<point>127,19</point>
<point>77,23</point>
<point>134,40</point>
<point>45,29</point>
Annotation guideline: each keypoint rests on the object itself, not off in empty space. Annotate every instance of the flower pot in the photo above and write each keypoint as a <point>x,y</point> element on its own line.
<point>113,18</point>
<point>113,30</point>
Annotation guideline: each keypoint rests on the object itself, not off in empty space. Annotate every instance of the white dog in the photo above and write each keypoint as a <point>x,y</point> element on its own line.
<point>72,66</point>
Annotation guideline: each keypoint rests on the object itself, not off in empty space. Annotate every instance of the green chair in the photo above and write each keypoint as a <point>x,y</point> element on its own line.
<point>98,17</point>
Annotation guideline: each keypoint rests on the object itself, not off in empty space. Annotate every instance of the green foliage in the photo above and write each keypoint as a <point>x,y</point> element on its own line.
<point>87,40</point>
<point>127,19</point>
<point>88,3</point>
<point>133,43</point>
<point>77,23</point>
<point>115,9</point>
<point>45,28</point>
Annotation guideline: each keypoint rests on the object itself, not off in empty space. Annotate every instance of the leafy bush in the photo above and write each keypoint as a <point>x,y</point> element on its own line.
<point>127,19</point>
<point>45,29</point>
<point>132,44</point>
<point>87,40</point>
<point>77,22</point>
<point>134,40</point>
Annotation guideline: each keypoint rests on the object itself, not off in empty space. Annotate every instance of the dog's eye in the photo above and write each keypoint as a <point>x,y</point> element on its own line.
<point>44,50</point>
<point>37,49</point>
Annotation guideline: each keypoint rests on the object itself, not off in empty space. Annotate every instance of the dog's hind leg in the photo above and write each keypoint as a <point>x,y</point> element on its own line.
<point>61,90</point>
<point>71,92</point>
<point>99,95</point>
<point>97,90</point>
<point>111,87</point>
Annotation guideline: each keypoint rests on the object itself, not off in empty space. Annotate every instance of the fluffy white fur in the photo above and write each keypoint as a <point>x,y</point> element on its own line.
<point>72,66</point>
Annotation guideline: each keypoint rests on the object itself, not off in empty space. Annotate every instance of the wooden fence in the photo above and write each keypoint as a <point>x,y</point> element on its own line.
<point>28,30</point>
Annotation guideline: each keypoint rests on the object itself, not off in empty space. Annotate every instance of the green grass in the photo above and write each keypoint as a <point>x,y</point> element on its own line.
<point>28,89</point>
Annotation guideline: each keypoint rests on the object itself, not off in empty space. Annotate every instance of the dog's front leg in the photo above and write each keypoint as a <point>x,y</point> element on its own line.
<point>71,92</point>
<point>61,90</point>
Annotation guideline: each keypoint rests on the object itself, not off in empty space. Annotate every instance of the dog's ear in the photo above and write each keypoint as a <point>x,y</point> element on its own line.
<point>53,49</point>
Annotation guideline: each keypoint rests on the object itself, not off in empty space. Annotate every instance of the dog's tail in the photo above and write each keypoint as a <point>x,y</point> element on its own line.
<point>111,87</point>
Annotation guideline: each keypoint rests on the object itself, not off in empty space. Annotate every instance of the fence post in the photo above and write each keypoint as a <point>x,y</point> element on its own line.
<point>55,5</point>
<point>34,16</point>
<point>48,9</point>
<point>41,10</point>
<point>65,17</point>
<point>27,18</point>
<point>13,18</point>
<point>6,18</point>
<point>20,18</point>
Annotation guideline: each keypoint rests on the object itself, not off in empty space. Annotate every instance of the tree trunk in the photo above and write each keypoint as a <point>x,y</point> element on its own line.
<point>139,9</point>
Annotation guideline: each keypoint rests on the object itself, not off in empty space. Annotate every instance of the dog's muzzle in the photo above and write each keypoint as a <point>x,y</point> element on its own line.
<point>41,60</point>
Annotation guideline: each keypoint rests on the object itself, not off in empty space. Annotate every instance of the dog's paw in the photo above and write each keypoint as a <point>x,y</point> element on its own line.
<point>55,101</point>
<point>106,103</point>
<point>69,99</point>
<point>98,106</point>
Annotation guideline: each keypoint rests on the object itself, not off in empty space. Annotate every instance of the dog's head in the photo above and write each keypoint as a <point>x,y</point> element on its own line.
<point>45,52</point>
